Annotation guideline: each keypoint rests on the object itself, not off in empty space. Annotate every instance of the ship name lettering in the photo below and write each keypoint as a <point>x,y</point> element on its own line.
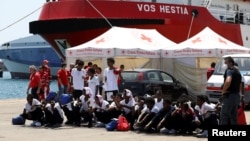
<point>146,7</point>
<point>173,9</point>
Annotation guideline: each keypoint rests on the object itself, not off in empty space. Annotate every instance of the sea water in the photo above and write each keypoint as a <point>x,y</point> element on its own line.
<point>16,88</point>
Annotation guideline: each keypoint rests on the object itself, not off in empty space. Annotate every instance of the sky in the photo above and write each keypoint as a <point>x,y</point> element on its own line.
<point>11,13</point>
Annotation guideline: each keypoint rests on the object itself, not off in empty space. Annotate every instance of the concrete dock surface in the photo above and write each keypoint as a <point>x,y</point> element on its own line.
<point>9,132</point>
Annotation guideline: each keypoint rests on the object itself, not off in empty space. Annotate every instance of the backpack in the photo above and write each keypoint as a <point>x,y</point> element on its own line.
<point>241,114</point>
<point>112,125</point>
<point>18,120</point>
<point>123,124</point>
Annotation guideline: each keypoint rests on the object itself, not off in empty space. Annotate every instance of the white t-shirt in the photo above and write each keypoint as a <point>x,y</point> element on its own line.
<point>131,103</point>
<point>159,104</point>
<point>100,77</point>
<point>111,82</point>
<point>57,107</point>
<point>144,109</point>
<point>102,107</point>
<point>92,85</point>
<point>86,104</point>
<point>78,78</point>
<point>113,105</point>
<point>205,107</point>
<point>33,106</point>
<point>155,109</point>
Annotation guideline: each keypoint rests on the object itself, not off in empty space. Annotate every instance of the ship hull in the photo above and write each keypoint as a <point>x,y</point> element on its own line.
<point>176,22</point>
<point>21,71</point>
<point>18,55</point>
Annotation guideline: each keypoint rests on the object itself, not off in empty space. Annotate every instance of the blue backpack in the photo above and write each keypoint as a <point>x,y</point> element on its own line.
<point>18,120</point>
<point>112,125</point>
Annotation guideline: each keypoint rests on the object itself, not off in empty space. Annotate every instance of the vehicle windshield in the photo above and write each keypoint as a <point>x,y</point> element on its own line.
<point>130,75</point>
<point>243,65</point>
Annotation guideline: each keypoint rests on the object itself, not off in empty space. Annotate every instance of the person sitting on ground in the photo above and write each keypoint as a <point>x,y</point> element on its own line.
<point>158,99</point>
<point>115,107</point>
<point>153,123</point>
<point>53,114</point>
<point>84,107</point>
<point>100,109</point>
<point>33,111</point>
<point>183,117</point>
<point>69,110</point>
<point>152,110</point>
<point>140,107</point>
<point>208,113</point>
<point>128,106</point>
<point>165,120</point>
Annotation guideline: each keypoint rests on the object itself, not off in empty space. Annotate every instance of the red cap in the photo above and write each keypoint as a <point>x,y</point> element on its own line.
<point>45,61</point>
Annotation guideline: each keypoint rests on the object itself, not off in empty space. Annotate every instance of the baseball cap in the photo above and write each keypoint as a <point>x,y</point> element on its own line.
<point>45,61</point>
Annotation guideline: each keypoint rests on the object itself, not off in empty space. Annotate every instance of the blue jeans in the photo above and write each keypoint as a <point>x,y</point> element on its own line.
<point>63,89</point>
<point>229,109</point>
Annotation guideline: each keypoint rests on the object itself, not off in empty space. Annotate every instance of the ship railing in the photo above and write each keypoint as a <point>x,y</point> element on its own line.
<point>223,15</point>
<point>248,18</point>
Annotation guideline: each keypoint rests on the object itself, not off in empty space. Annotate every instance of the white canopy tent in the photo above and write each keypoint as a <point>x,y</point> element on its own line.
<point>130,46</point>
<point>206,43</point>
<point>119,41</point>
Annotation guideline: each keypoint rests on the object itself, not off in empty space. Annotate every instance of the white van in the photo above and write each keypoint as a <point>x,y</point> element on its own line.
<point>213,90</point>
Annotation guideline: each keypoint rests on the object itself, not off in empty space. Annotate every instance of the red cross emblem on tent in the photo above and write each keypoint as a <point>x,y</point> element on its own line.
<point>123,51</point>
<point>221,52</point>
<point>108,51</point>
<point>196,40</point>
<point>144,37</point>
<point>100,40</point>
<point>209,52</point>
<point>222,41</point>
<point>166,53</point>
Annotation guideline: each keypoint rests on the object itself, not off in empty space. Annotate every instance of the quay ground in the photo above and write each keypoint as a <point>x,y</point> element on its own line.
<point>9,132</point>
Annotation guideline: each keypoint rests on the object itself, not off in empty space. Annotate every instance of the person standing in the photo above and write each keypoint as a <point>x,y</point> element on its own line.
<point>62,79</point>
<point>34,82</point>
<point>44,83</point>
<point>120,78</point>
<point>77,79</point>
<point>98,72</point>
<point>111,75</point>
<point>210,70</point>
<point>48,71</point>
<point>230,94</point>
<point>93,82</point>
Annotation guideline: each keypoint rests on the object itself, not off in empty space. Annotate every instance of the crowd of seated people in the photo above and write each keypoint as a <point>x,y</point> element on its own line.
<point>154,114</point>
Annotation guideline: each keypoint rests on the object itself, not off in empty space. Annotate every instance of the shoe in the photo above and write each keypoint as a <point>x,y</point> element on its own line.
<point>69,122</point>
<point>204,134</point>
<point>172,131</point>
<point>78,124</point>
<point>164,131</point>
<point>38,124</point>
<point>90,125</point>
<point>33,123</point>
<point>100,124</point>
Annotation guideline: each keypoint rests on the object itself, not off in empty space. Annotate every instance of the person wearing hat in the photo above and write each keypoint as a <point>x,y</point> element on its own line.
<point>84,106</point>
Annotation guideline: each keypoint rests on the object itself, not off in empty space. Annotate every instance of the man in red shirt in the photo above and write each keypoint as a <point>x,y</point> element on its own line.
<point>210,70</point>
<point>34,82</point>
<point>63,79</point>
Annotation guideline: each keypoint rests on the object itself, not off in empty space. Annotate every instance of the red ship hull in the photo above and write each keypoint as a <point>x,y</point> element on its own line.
<point>78,21</point>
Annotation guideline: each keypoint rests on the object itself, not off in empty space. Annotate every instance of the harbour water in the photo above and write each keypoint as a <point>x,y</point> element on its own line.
<point>16,88</point>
